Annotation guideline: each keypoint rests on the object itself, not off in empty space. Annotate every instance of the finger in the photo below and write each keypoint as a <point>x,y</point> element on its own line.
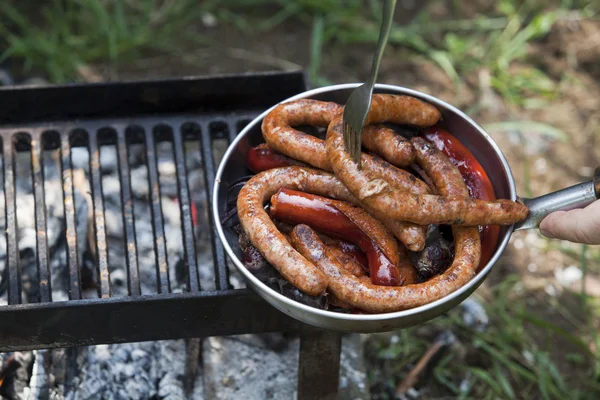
<point>579,226</point>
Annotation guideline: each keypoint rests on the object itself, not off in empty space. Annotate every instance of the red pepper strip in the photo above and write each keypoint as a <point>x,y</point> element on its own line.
<point>262,158</point>
<point>477,181</point>
<point>295,207</point>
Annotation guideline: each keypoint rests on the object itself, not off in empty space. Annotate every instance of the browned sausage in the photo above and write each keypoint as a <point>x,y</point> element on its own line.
<point>280,135</point>
<point>380,198</point>
<point>251,256</point>
<point>402,110</point>
<point>390,145</point>
<point>362,294</point>
<point>343,220</point>
<point>379,299</point>
<point>264,235</point>
<point>347,261</point>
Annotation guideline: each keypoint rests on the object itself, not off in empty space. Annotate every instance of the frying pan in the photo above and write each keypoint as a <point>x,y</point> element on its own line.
<point>233,167</point>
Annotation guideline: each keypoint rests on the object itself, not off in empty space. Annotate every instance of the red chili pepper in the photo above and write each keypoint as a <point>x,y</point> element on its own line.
<point>262,158</point>
<point>295,207</point>
<point>477,181</point>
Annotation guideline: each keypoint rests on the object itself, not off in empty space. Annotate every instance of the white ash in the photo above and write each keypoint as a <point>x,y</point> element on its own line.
<point>132,371</point>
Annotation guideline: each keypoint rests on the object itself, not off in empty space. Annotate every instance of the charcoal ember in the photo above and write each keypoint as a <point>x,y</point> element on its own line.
<point>290,291</point>
<point>253,260</point>
<point>15,373</point>
<point>267,274</point>
<point>437,255</point>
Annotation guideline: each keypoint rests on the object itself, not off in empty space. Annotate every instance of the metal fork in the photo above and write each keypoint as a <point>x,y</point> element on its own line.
<point>358,104</point>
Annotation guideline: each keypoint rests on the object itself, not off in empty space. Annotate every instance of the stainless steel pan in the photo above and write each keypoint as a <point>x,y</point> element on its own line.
<point>233,166</point>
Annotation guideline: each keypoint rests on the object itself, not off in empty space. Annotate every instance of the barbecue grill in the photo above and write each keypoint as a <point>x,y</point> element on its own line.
<point>36,119</point>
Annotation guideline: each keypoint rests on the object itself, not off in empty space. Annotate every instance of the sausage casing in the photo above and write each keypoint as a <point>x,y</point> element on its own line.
<point>378,197</point>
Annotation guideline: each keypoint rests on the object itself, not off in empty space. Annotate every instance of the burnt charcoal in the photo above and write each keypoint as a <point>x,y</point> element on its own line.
<point>436,257</point>
<point>15,373</point>
<point>267,274</point>
<point>290,291</point>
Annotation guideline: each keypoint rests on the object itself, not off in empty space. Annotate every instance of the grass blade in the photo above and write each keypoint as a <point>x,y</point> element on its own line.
<point>316,47</point>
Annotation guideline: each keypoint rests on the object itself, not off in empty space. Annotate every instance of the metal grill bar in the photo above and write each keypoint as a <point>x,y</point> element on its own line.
<point>197,104</point>
<point>319,357</point>
<point>37,174</point>
<point>71,231</point>
<point>232,130</point>
<point>12,256</point>
<point>189,248</point>
<point>133,272</point>
<point>99,223</point>
<point>221,272</point>
<point>162,269</point>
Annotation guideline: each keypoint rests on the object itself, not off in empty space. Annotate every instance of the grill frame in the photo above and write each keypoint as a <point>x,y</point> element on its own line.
<point>106,320</point>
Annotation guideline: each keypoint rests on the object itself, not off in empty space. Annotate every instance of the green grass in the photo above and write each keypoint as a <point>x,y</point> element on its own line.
<point>66,35</point>
<point>512,358</point>
<point>63,36</point>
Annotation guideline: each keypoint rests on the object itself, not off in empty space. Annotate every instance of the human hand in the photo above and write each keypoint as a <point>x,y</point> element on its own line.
<point>579,225</point>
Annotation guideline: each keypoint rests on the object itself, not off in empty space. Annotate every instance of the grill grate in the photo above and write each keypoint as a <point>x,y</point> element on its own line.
<point>121,132</point>
<point>62,118</point>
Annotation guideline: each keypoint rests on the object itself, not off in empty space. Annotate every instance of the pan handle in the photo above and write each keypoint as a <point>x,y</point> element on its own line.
<point>576,196</point>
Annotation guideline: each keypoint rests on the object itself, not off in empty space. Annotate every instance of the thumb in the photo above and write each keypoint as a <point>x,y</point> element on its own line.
<point>579,226</point>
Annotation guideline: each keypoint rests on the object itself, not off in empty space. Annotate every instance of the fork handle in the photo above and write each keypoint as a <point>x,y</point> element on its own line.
<point>384,33</point>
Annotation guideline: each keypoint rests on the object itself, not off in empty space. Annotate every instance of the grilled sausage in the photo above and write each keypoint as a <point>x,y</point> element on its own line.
<point>390,145</point>
<point>340,219</point>
<point>360,293</point>
<point>263,233</point>
<point>278,131</point>
<point>281,137</point>
<point>381,299</point>
<point>380,198</point>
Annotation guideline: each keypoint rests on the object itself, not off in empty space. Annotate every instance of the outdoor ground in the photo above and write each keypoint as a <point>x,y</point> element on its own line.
<point>528,71</point>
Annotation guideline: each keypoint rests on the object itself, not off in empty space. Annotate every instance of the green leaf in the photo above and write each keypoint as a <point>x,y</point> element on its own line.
<point>444,61</point>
